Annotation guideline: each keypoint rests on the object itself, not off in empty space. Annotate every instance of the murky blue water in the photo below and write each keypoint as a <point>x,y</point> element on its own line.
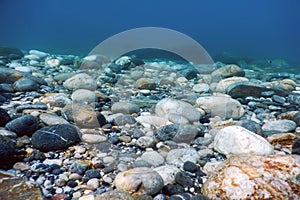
<point>257,29</point>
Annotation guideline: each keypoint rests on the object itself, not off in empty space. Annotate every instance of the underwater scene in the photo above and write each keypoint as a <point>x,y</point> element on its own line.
<point>149,100</point>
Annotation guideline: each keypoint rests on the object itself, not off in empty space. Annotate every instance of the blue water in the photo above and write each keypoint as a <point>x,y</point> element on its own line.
<point>244,28</point>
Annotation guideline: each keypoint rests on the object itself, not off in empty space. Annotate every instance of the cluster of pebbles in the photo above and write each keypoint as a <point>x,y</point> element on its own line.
<point>91,128</point>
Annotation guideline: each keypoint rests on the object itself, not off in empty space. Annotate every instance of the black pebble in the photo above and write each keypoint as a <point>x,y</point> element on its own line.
<point>184,179</point>
<point>190,167</point>
<point>4,117</point>
<point>172,189</point>
<point>72,183</point>
<point>92,173</point>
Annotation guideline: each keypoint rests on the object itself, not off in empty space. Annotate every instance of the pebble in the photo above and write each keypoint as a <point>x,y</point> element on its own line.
<point>93,183</point>
<point>39,54</point>
<point>278,126</point>
<point>177,132</point>
<point>234,140</point>
<point>142,181</point>
<point>225,83</point>
<point>93,139</point>
<point>124,119</point>
<point>125,108</point>
<point>92,173</point>
<point>190,167</point>
<point>80,81</point>
<point>145,83</point>
<point>167,172</point>
<point>84,96</point>
<point>201,88</point>
<point>228,71</point>
<point>178,157</point>
<point>21,166</point>
<point>55,137</point>
<point>169,106</point>
<point>25,85</point>
<point>52,119</point>
<point>24,125</point>
<point>4,117</point>
<point>145,142</point>
<point>153,158</point>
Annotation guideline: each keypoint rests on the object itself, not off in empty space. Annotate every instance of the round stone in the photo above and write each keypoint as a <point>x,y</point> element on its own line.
<point>4,117</point>
<point>55,137</point>
<point>80,81</point>
<point>25,85</point>
<point>24,125</point>
<point>125,108</point>
<point>153,158</point>
<point>278,126</point>
<point>139,181</point>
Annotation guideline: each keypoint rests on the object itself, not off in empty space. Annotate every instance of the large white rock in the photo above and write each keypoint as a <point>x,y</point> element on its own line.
<point>222,106</point>
<point>223,84</point>
<point>238,140</point>
<point>170,107</point>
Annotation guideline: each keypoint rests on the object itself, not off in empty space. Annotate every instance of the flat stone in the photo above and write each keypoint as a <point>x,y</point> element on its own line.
<point>80,81</point>
<point>222,106</point>
<point>16,188</point>
<point>153,158</point>
<point>201,88</point>
<point>238,140</point>
<point>93,139</point>
<point>259,177</point>
<point>52,119</point>
<point>228,71</point>
<point>169,106</point>
<point>278,126</point>
<point>39,106</point>
<point>178,157</point>
<point>225,83</point>
<point>167,172</point>
<point>139,181</point>
<point>125,108</point>
<point>246,89</point>
<point>55,137</point>
<point>24,125</point>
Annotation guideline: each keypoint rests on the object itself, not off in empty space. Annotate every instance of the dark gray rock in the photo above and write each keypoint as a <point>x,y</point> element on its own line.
<point>296,147</point>
<point>177,132</point>
<point>6,87</point>
<point>124,119</point>
<point>8,153</point>
<point>11,52</point>
<point>92,173</point>
<point>183,179</point>
<point>278,99</point>
<point>24,125</point>
<point>190,167</point>
<point>172,189</point>
<point>251,126</point>
<point>25,85</point>
<point>4,117</point>
<point>246,89</point>
<point>55,137</point>
<point>79,167</point>
<point>39,106</point>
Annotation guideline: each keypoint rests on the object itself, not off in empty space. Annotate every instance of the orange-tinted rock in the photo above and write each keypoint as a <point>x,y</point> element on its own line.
<point>255,177</point>
<point>12,187</point>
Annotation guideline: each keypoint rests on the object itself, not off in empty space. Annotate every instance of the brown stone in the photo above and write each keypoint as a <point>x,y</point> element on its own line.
<point>286,140</point>
<point>255,177</point>
<point>15,188</point>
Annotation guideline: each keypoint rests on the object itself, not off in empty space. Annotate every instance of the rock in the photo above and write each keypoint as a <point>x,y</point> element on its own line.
<point>25,85</point>
<point>139,181</point>
<point>251,126</point>
<point>40,168</point>
<point>24,125</point>
<point>5,87</point>
<point>245,89</point>
<point>258,177</point>
<point>125,108</point>
<point>93,183</point>
<point>278,126</point>
<point>21,166</point>
<point>296,147</point>
<point>149,120</point>
<point>228,71</point>
<point>201,88</point>
<point>222,106</point>
<point>145,142</point>
<point>52,119</point>
<point>173,189</point>
<point>37,106</point>
<point>83,96</point>
<point>10,51</point>
<point>8,153</point>
<point>9,76</point>
<point>296,118</point>
<point>78,167</point>
<point>57,100</point>
<point>83,115</point>
<point>114,195</point>
<point>285,140</point>
<point>124,119</point>
<point>153,158</point>
<point>186,111</point>
<point>190,167</point>
<point>52,62</point>
<point>16,188</point>
<point>38,53</point>
<point>92,173</point>
<point>55,137</point>
<point>178,157</point>
<point>80,81</point>
<point>24,69</point>
<point>4,117</point>
<point>7,133</point>
<point>178,133</point>
<point>145,83</point>
<point>183,179</point>
<point>225,83</point>
<point>238,140</point>
<point>93,138</point>
<point>167,172</point>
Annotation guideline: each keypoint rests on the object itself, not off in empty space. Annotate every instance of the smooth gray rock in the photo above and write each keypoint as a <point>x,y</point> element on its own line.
<point>125,108</point>
<point>278,126</point>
